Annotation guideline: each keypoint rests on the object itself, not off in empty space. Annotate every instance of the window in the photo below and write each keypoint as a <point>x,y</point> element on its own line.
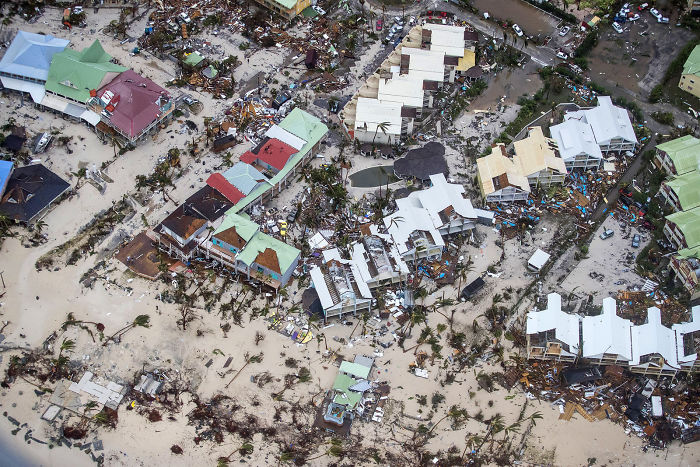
<point>260,269</point>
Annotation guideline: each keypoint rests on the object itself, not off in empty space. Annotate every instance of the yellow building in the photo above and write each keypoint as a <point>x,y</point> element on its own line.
<point>690,79</point>
<point>286,8</point>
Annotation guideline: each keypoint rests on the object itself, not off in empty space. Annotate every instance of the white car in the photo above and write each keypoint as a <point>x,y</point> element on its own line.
<point>564,31</point>
<point>617,27</point>
<point>517,30</point>
<point>655,13</point>
<point>562,55</point>
<point>635,17</point>
<point>663,19</point>
<point>319,10</point>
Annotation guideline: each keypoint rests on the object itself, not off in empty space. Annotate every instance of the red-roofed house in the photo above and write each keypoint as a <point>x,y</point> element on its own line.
<point>272,155</point>
<point>131,105</point>
<point>220,184</point>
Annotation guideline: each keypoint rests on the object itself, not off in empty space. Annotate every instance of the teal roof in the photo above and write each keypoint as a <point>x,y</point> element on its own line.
<point>354,369</point>
<point>684,152</point>
<point>74,74</point>
<point>245,177</point>
<point>245,228</point>
<point>286,254</point>
<point>302,125</point>
<point>689,223</point>
<point>344,395</point>
<point>687,189</point>
<point>30,55</point>
<point>692,64</point>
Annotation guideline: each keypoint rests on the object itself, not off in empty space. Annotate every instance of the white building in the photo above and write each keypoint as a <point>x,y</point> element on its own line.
<point>551,333</point>
<point>404,91</point>
<point>654,347</point>
<point>423,217</point>
<point>378,260</point>
<point>340,286</point>
<point>611,125</point>
<point>379,122</point>
<point>688,341</point>
<point>577,145</point>
<point>425,65</point>
<point>607,336</point>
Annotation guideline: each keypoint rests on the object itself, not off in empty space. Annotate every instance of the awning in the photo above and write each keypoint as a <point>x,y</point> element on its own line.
<point>54,102</point>
<point>36,90</point>
<point>91,117</point>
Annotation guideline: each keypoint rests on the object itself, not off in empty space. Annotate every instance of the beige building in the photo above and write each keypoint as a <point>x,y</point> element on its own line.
<point>286,8</point>
<point>690,79</point>
<point>508,179</point>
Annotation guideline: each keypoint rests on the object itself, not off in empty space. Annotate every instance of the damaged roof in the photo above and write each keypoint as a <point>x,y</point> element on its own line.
<point>423,162</point>
<point>29,190</point>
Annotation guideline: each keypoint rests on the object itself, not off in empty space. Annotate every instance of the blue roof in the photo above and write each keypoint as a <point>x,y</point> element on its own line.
<point>245,177</point>
<point>5,171</point>
<point>30,55</point>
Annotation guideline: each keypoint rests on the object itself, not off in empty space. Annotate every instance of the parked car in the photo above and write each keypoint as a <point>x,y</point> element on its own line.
<point>607,233</point>
<point>648,225</point>
<point>517,30</point>
<point>663,20</point>
<point>319,10</point>
<point>655,13</point>
<point>633,17</point>
<point>616,26</point>
<point>564,31</point>
<point>643,6</point>
<point>380,24</point>
<point>562,55</point>
<point>635,241</point>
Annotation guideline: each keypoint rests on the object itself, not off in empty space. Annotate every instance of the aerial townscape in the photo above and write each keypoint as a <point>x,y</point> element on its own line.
<point>350,232</point>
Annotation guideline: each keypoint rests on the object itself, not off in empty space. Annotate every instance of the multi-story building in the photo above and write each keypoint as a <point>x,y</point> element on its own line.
<point>287,9</point>
<point>679,156</point>
<point>552,334</point>
<point>611,125</point>
<point>682,229</point>
<point>690,77</point>
<point>577,145</point>
<point>682,193</point>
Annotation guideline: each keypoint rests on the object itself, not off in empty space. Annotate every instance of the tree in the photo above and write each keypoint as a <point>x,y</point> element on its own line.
<point>384,126</point>
<point>140,321</point>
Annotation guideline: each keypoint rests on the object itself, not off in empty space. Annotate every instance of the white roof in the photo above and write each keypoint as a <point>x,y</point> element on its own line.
<point>370,113</point>
<point>318,242</point>
<point>286,137</point>
<point>382,254</point>
<point>36,90</point>
<point>654,338</point>
<point>574,138</point>
<point>401,89</point>
<point>606,333</point>
<point>538,259</point>
<point>321,288</point>
<point>607,121</point>
<point>425,64</point>
<point>446,38</point>
<point>685,328</point>
<point>564,324</point>
<point>421,211</point>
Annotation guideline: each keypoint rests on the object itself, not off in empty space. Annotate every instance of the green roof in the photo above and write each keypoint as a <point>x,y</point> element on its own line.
<point>344,395</point>
<point>286,254</point>
<point>687,189</point>
<point>689,223</point>
<point>74,74</point>
<point>193,59</point>
<point>689,253</point>
<point>684,152</point>
<point>244,226</point>
<point>287,3</point>
<point>309,12</point>
<point>354,369</point>
<point>692,65</point>
<point>302,125</point>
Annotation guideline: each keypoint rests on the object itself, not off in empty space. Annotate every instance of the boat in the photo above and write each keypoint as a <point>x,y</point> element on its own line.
<point>42,143</point>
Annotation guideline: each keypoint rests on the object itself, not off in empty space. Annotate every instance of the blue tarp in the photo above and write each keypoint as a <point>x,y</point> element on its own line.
<point>5,171</point>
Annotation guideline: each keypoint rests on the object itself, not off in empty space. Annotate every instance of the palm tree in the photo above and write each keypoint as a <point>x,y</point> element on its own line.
<point>140,321</point>
<point>463,271</point>
<point>39,226</point>
<point>384,126</point>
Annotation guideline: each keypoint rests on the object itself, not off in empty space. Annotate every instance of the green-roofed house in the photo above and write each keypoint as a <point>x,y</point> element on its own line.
<point>682,193</point>
<point>686,266</point>
<point>690,78</point>
<point>73,75</point>
<point>679,156</point>
<point>303,132</point>
<point>194,60</point>
<point>682,229</point>
<point>288,9</point>
<point>233,235</point>
<point>355,370</point>
<point>268,259</point>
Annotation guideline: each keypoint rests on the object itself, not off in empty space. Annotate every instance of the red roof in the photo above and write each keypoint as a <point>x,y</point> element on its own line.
<point>135,102</point>
<point>220,184</point>
<point>274,152</point>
